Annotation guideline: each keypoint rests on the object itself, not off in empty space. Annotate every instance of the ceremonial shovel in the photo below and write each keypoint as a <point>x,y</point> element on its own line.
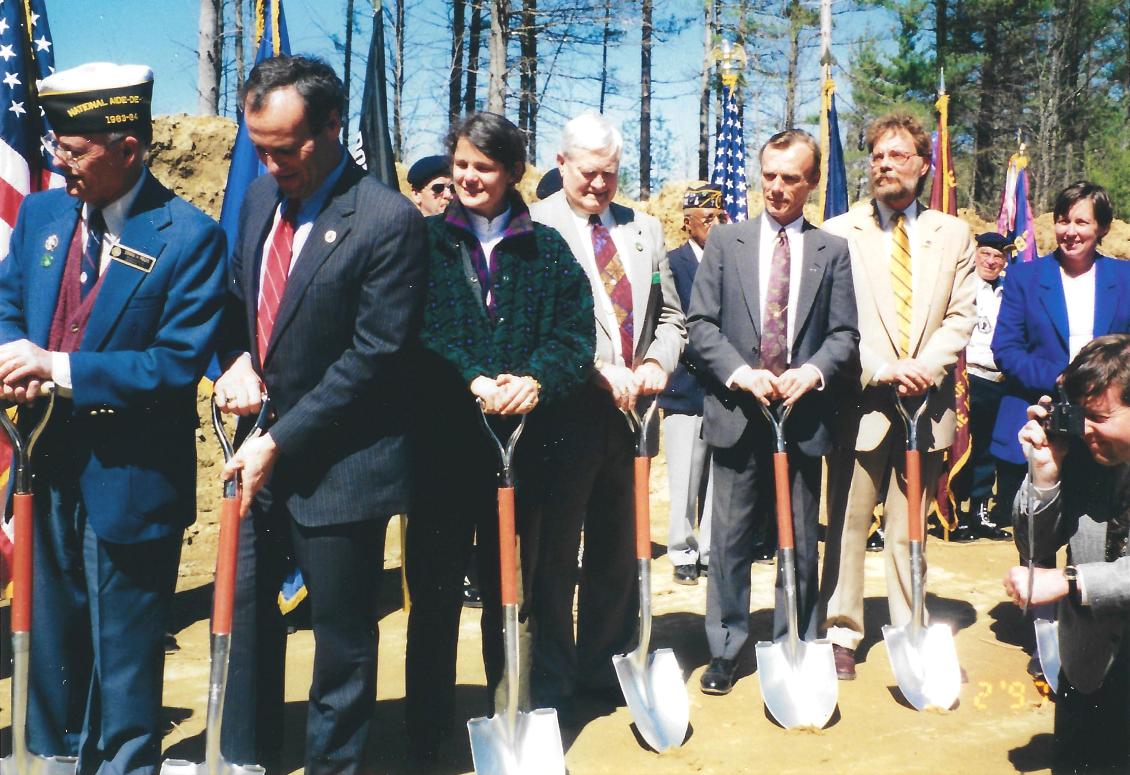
<point>222,603</point>
<point>652,683</point>
<point>798,679</point>
<point>22,761</point>
<point>1047,632</point>
<point>512,741</point>
<point>923,658</point>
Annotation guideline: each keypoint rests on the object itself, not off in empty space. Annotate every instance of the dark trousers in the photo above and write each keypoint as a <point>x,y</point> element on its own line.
<point>97,639</point>
<point>455,474</point>
<point>976,481</point>
<point>744,501</point>
<point>589,486</point>
<point>1091,729</point>
<point>341,565</point>
<point>1009,478</point>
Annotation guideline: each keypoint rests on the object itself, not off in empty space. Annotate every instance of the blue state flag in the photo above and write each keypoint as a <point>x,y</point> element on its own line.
<point>835,190</point>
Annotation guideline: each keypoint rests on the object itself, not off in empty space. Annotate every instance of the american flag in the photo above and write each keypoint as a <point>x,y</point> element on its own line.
<point>26,51</point>
<point>729,159</point>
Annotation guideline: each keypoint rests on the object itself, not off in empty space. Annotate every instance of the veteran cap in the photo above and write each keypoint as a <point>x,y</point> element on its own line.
<point>990,239</point>
<point>707,196</point>
<point>427,168</point>
<point>97,97</point>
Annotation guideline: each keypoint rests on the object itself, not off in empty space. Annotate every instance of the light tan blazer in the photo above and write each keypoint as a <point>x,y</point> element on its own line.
<point>942,316</point>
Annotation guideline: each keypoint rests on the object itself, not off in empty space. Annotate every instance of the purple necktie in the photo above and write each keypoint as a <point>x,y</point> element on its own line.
<point>774,334</point>
<point>616,283</point>
<point>92,252</point>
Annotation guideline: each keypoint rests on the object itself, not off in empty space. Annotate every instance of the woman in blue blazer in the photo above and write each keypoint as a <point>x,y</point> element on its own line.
<point>1051,307</point>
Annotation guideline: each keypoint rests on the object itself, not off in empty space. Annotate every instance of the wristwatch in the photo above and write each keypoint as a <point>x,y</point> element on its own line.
<point>1071,573</point>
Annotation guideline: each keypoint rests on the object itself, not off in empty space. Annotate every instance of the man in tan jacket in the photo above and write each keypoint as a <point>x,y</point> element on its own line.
<point>913,273</point>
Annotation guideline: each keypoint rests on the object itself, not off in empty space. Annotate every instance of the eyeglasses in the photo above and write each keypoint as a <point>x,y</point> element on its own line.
<point>712,218</point>
<point>897,157</point>
<point>66,155</point>
<point>437,189</point>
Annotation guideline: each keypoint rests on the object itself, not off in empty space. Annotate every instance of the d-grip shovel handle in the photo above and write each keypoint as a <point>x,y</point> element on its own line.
<point>913,466</point>
<point>507,559</point>
<point>22,511</point>
<point>638,423</point>
<point>227,552</point>
<point>777,414</point>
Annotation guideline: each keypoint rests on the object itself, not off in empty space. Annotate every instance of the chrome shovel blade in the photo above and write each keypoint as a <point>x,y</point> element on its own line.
<point>656,697</point>
<point>532,748</point>
<point>800,690</point>
<point>1047,646</point>
<point>925,665</point>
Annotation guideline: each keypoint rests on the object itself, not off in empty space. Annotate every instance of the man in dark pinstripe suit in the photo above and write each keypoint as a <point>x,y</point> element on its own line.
<point>327,277</point>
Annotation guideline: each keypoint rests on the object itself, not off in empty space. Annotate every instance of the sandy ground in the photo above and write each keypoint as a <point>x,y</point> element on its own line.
<point>999,725</point>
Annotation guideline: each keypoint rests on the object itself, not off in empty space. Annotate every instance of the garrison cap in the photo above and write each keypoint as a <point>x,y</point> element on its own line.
<point>427,168</point>
<point>97,97</point>
<point>990,239</point>
<point>549,184</point>
<point>707,196</point>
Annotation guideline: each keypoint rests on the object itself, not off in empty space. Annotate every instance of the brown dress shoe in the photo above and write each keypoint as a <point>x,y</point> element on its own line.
<point>845,662</point>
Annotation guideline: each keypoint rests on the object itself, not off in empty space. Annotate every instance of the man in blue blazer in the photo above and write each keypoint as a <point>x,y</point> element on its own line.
<point>113,290</point>
<point>328,276</point>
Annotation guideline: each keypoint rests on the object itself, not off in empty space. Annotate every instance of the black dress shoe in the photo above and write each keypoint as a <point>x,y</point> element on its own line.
<point>875,542</point>
<point>992,532</point>
<point>963,534</point>
<point>718,678</point>
<point>686,574</point>
<point>764,555</point>
<point>471,596</point>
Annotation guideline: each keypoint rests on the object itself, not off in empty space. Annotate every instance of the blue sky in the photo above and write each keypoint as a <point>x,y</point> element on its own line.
<point>162,34</point>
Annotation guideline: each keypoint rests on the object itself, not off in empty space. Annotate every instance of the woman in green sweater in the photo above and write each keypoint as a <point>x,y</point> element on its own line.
<point>509,322</point>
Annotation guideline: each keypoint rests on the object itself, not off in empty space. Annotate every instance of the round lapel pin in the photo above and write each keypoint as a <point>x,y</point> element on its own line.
<point>52,242</point>
<point>331,236</point>
<point>639,247</point>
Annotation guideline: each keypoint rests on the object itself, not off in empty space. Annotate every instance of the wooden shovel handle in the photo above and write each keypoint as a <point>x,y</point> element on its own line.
<point>226,556</point>
<point>507,562</point>
<point>914,494</point>
<point>643,508</point>
<point>785,538</point>
<point>21,562</point>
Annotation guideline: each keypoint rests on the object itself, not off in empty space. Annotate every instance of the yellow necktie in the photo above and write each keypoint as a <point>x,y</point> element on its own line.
<point>901,281</point>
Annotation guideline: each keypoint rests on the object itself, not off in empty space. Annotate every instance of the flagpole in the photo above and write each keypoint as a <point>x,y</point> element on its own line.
<point>826,90</point>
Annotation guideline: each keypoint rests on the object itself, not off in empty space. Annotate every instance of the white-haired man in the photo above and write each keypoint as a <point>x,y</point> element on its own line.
<point>639,337</point>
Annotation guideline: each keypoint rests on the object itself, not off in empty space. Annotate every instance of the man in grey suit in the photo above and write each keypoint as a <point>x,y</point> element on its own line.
<point>1083,500</point>
<point>639,337</point>
<point>773,316</point>
<point>326,298</point>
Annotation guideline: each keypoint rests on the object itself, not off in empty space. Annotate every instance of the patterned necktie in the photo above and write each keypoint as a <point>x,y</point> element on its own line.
<point>774,332</point>
<point>901,282</point>
<point>276,271</point>
<point>92,252</point>
<point>616,283</point>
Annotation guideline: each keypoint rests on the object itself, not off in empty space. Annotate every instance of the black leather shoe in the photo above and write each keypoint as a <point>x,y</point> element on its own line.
<point>875,542</point>
<point>718,678</point>
<point>686,574</point>
<point>471,596</point>
<point>764,555</point>
<point>963,534</point>
<point>992,532</point>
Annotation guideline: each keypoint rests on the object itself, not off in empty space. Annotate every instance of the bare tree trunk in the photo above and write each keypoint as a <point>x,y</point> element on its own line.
<point>792,12</point>
<point>604,52</point>
<point>708,8</point>
<point>527,104</point>
<point>474,55</point>
<point>985,168</point>
<point>455,80</point>
<point>240,64</point>
<point>645,101</point>
<point>940,32</point>
<point>499,38</point>
<point>398,84</point>
<point>210,60</point>
<point>348,61</point>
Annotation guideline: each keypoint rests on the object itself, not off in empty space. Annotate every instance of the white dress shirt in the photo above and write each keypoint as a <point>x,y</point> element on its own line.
<point>696,250</point>
<point>979,353</point>
<point>489,231</point>
<point>1079,293</point>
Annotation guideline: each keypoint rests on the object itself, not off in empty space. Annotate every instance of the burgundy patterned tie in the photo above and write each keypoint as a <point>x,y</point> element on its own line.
<point>275,274</point>
<point>774,333</point>
<point>616,283</point>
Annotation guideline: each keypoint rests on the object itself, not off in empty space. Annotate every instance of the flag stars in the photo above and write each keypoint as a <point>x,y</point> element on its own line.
<point>11,80</point>
<point>3,26</point>
<point>42,43</point>
<point>17,108</point>
<point>34,18</point>
<point>6,52</point>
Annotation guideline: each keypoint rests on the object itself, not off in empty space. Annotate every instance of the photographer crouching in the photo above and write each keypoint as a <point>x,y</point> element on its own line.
<point>1082,489</point>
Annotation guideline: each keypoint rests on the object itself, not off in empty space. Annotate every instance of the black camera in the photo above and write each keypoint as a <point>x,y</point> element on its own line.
<point>1064,418</point>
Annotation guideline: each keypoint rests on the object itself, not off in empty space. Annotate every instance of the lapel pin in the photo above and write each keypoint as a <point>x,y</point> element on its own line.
<point>639,247</point>
<point>46,260</point>
<point>52,242</point>
<point>331,235</point>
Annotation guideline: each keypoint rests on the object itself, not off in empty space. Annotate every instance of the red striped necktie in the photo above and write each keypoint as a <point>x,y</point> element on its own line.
<point>276,270</point>
<point>616,284</point>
